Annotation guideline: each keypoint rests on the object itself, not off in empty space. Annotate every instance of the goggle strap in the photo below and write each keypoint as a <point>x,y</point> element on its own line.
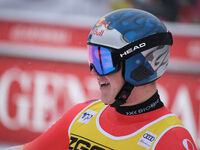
<point>123,94</point>
<point>164,38</point>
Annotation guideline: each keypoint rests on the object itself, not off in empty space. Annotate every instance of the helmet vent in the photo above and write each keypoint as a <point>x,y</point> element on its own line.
<point>141,73</point>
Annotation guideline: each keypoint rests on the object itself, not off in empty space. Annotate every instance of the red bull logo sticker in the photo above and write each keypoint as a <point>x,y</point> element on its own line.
<point>96,32</point>
<point>102,22</point>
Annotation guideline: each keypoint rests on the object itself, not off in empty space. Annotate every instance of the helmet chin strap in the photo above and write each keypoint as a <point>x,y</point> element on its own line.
<point>123,94</point>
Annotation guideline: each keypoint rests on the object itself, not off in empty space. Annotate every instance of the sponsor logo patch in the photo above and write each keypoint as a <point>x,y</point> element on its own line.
<point>147,139</point>
<point>86,116</point>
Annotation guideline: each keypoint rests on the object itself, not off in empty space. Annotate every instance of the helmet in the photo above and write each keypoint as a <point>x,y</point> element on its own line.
<point>134,39</point>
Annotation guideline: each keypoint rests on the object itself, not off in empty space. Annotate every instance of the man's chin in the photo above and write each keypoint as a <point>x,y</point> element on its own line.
<point>107,101</point>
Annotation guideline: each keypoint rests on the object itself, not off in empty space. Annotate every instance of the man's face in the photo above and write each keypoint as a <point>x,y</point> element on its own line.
<point>110,85</point>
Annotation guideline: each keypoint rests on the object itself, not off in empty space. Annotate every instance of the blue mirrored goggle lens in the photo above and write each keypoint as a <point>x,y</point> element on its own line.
<point>101,59</point>
<point>94,58</point>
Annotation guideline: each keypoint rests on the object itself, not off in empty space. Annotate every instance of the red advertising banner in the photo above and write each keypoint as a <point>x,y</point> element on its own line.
<point>186,48</point>
<point>53,35</point>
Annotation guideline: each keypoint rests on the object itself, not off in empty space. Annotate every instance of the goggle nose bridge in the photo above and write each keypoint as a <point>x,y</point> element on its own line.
<point>91,67</point>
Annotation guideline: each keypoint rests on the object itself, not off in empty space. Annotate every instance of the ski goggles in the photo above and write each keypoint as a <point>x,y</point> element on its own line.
<point>101,59</point>
<point>106,60</point>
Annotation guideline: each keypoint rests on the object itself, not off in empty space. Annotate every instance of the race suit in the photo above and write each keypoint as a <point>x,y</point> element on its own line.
<point>95,126</point>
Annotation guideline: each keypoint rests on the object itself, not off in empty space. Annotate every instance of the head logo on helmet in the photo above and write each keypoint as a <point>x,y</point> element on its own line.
<point>129,51</point>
